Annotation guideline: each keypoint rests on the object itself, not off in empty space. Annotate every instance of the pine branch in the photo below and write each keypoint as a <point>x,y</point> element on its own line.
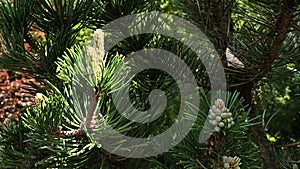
<point>283,24</point>
<point>90,121</point>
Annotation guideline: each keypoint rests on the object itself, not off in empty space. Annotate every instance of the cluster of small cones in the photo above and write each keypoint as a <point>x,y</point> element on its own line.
<point>16,92</point>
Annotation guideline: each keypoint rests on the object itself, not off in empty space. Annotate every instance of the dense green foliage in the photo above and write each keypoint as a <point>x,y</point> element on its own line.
<point>263,35</point>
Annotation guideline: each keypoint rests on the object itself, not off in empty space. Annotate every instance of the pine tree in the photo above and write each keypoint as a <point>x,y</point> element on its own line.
<point>49,40</point>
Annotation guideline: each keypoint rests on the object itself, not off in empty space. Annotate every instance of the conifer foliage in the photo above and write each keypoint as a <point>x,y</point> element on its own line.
<point>58,45</point>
